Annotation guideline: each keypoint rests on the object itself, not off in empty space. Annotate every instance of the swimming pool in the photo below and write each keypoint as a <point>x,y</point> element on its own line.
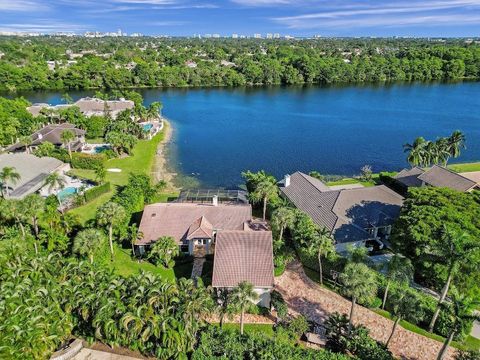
<point>66,193</point>
<point>147,127</point>
<point>101,148</point>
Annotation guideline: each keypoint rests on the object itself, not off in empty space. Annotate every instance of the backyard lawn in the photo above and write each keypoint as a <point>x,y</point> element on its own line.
<point>123,264</point>
<point>140,162</point>
<point>466,167</point>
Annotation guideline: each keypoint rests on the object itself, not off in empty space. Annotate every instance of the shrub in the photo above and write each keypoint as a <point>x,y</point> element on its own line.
<point>279,304</point>
<point>96,191</point>
<point>87,161</point>
<point>356,342</point>
<point>215,343</point>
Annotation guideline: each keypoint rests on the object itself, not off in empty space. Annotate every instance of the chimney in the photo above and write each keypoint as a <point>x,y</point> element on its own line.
<point>287,180</point>
<point>215,200</point>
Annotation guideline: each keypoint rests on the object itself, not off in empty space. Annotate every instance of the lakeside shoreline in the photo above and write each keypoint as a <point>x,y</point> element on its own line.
<point>160,169</point>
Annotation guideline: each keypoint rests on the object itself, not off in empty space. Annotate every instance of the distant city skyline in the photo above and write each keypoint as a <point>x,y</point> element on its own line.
<point>429,18</point>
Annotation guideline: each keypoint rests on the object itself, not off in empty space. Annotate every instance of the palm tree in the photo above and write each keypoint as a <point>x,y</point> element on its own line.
<point>67,136</point>
<point>264,191</point>
<point>321,245</point>
<point>456,142</point>
<point>463,312</point>
<point>87,242</point>
<point>359,283</point>
<point>282,218</point>
<point>399,269</point>
<point>111,215</point>
<point>454,248</point>
<point>163,251</point>
<point>242,297</point>
<point>8,175</point>
<point>405,302</point>
<point>416,154</point>
<point>134,234</point>
<point>441,151</point>
<point>34,206</point>
<point>153,110</point>
<point>26,141</point>
<point>224,306</point>
<point>55,181</point>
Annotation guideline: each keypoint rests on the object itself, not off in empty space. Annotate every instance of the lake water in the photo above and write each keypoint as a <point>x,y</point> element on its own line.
<point>220,132</point>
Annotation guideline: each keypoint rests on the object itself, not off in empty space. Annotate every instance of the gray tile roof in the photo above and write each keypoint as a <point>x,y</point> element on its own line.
<point>175,219</point>
<point>409,177</point>
<point>33,171</point>
<point>348,212</point>
<point>243,256</point>
<point>442,177</point>
<point>313,197</point>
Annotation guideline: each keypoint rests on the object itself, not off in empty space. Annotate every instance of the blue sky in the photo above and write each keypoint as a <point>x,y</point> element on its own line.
<point>294,17</point>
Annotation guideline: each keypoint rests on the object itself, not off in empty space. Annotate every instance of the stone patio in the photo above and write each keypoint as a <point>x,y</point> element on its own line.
<point>304,296</point>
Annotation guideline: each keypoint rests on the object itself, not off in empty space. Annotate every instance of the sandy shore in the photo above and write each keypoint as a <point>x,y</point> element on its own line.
<point>160,169</point>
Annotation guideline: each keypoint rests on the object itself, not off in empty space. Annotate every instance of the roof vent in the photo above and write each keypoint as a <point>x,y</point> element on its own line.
<point>154,214</point>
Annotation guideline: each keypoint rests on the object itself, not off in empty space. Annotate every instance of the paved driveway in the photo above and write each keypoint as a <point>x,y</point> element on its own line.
<point>303,296</point>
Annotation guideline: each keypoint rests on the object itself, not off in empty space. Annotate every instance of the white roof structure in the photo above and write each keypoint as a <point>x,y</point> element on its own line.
<point>33,171</point>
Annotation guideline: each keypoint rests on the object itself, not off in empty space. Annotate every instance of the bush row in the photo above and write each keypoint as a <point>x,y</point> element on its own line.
<point>96,191</point>
<point>87,161</point>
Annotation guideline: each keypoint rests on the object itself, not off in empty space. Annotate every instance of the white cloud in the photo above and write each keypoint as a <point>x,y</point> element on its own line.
<point>43,26</point>
<point>265,2</point>
<point>22,5</point>
<point>388,14</point>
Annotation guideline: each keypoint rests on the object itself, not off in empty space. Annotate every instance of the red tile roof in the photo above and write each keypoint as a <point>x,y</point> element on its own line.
<point>243,256</point>
<point>175,219</point>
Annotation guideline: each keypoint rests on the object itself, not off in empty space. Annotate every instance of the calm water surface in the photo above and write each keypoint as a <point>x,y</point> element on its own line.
<point>218,133</point>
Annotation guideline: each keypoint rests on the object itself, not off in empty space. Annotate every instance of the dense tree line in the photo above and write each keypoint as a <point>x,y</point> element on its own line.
<point>148,62</point>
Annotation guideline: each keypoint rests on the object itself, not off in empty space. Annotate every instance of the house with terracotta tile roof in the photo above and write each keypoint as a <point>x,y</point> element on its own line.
<point>354,216</point>
<point>437,176</point>
<point>241,245</point>
<point>244,256</point>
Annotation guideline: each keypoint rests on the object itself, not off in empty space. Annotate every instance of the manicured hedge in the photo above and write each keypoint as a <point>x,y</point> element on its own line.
<point>96,191</point>
<point>87,161</point>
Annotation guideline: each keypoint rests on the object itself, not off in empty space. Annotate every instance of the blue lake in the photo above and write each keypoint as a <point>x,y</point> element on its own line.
<point>220,132</point>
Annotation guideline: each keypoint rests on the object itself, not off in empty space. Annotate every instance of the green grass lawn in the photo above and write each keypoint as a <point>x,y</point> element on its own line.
<point>140,162</point>
<point>349,181</point>
<point>123,264</point>
<point>466,167</point>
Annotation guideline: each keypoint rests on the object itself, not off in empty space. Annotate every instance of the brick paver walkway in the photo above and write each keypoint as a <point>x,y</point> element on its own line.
<point>304,296</point>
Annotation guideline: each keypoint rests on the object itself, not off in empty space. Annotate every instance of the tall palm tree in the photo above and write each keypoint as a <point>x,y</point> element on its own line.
<point>282,218</point>
<point>242,297</point>
<point>463,312</point>
<point>54,182</point>
<point>26,141</point>
<point>264,191</point>
<point>456,142</point>
<point>111,215</point>
<point>321,245</point>
<point>134,234</point>
<point>88,242</point>
<point>398,269</point>
<point>34,206</point>
<point>441,151</point>
<point>8,175</point>
<point>359,283</point>
<point>224,306</point>
<point>454,248</point>
<point>416,154</point>
<point>153,110</point>
<point>405,302</point>
<point>67,137</point>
